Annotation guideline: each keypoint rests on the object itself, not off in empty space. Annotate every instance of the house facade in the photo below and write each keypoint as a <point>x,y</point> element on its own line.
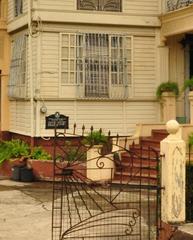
<point>94,61</point>
<point>98,62</point>
<point>4,67</point>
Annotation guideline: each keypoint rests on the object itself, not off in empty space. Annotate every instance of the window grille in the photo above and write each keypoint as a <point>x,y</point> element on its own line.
<point>172,5</point>
<point>18,7</point>
<point>17,77</point>
<point>96,61</point>
<point>100,5</point>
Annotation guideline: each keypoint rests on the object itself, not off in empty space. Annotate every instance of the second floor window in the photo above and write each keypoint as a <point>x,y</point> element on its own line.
<point>18,7</point>
<point>100,5</point>
<point>96,62</point>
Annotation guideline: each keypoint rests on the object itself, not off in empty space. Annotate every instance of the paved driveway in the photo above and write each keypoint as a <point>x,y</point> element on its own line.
<point>25,210</point>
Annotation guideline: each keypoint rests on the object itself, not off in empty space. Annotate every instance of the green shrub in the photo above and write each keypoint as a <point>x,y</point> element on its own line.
<point>167,87</point>
<point>188,84</point>
<point>95,138</point>
<point>17,148</point>
<point>40,153</point>
<point>13,149</point>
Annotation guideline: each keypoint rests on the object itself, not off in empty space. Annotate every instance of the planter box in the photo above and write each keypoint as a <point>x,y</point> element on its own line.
<point>42,170</point>
<point>99,168</point>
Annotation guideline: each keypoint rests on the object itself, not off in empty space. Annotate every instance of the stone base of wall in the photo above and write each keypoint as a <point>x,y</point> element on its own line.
<point>42,169</point>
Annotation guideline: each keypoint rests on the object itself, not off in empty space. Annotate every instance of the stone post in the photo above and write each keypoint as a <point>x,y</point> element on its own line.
<point>173,150</point>
<point>168,106</point>
<point>190,96</point>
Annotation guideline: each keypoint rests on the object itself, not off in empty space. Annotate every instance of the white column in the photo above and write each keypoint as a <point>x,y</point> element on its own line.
<point>168,103</point>
<point>173,149</point>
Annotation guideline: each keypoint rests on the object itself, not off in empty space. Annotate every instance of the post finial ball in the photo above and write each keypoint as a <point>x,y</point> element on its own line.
<point>172,126</point>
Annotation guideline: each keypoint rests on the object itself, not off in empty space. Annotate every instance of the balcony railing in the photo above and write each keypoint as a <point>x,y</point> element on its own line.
<point>172,5</point>
<point>100,5</point>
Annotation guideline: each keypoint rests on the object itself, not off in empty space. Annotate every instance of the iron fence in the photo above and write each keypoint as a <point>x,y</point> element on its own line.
<point>87,205</point>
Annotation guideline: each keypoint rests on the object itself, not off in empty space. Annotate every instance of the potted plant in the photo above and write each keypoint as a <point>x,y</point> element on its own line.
<point>100,164</point>
<point>188,84</point>
<point>171,87</point>
<point>167,92</point>
<point>22,163</point>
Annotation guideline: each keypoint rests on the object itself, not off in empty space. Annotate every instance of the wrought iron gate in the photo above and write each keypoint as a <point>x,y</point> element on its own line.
<point>113,195</point>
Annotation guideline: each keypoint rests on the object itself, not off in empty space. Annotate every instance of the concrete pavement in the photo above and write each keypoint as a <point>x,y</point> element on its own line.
<point>25,210</point>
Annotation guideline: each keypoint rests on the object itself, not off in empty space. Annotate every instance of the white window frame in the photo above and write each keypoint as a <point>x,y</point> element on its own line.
<point>73,77</point>
<point>18,67</point>
<point>18,7</point>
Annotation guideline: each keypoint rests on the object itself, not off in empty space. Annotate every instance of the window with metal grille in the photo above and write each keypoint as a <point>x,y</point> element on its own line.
<point>96,61</point>
<point>17,78</point>
<point>100,5</point>
<point>18,7</point>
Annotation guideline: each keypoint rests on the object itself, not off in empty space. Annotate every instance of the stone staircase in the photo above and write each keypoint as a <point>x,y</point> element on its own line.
<point>140,165</point>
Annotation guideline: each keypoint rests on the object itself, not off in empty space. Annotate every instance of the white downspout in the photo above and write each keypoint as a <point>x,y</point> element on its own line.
<point>30,69</point>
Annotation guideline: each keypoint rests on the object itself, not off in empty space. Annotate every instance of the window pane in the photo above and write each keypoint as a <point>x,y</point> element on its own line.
<point>114,79</point>
<point>128,54</point>
<point>72,52</point>
<point>64,77</point>
<point>129,67</point>
<point>65,40</point>
<point>64,52</point>
<point>64,65</point>
<point>72,66</point>
<point>72,77</point>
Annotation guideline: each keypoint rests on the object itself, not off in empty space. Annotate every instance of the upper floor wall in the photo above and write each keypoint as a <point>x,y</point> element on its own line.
<point>137,7</point>
<point>108,12</point>
<point>177,18</point>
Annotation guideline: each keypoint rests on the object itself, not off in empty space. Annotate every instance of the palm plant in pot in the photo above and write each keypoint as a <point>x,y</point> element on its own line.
<point>171,87</point>
<point>100,165</point>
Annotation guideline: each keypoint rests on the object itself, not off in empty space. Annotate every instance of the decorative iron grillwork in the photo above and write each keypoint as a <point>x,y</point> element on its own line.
<point>100,5</point>
<point>123,206</point>
<point>176,4</point>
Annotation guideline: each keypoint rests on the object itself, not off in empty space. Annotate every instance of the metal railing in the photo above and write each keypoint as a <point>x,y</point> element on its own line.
<point>172,5</point>
<point>100,5</point>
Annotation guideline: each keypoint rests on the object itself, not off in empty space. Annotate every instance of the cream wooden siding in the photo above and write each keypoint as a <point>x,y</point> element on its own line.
<point>118,117</point>
<point>134,7</point>
<point>144,66</point>
<point>49,71</point>
<point>141,7</point>
<point>11,9</point>
<point>57,4</point>
<point>20,117</point>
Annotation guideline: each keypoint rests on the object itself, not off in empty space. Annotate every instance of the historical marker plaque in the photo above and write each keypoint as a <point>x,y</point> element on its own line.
<point>57,120</point>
